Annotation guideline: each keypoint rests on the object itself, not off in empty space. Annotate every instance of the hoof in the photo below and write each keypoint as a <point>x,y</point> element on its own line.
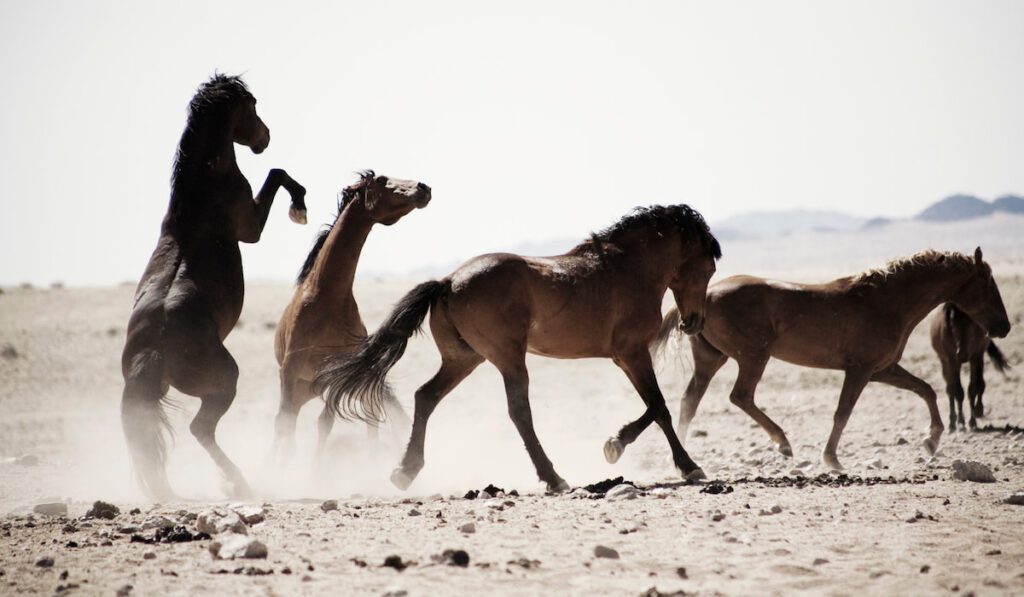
<point>696,475</point>
<point>613,450</point>
<point>832,462</point>
<point>400,479</point>
<point>558,486</point>
<point>786,450</point>
<point>297,215</point>
<point>930,445</point>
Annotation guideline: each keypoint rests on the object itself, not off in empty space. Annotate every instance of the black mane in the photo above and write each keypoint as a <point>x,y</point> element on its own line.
<point>661,218</point>
<point>213,101</point>
<point>344,199</point>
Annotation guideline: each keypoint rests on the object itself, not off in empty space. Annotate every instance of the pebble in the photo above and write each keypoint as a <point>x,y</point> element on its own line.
<point>622,492</point>
<point>661,492</point>
<point>970,470</point>
<point>51,509</point>
<point>1016,499</point>
<point>149,555</point>
<point>874,464</point>
<point>250,514</point>
<point>101,509</point>
<point>468,528</point>
<point>415,512</point>
<point>606,552</point>
<point>395,592</point>
<point>580,494</point>
<point>157,522</point>
<point>229,546</point>
<point>45,562</point>
<point>329,505</point>
<point>218,520</point>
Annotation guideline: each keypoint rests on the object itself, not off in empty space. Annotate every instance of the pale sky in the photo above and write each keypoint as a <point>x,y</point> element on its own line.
<point>530,120</point>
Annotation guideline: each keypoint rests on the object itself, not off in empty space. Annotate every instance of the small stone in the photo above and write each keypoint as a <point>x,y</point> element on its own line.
<point>902,441</point>
<point>925,569</point>
<point>218,520</point>
<point>970,470</point>
<point>250,514</point>
<point>51,509</point>
<point>605,552</point>
<point>157,522</point>
<point>819,561</point>
<point>9,352</point>
<point>149,555</point>
<point>622,492</point>
<point>718,516</point>
<point>580,494</point>
<point>395,562</point>
<point>661,492</point>
<point>681,572</point>
<point>456,557</point>
<point>46,562</point>
<point>329,505</point>
<point>395,592</point>
<point>229,546</point>
<point>415,512</point>
<point>874,464</point>
<point>101,509</point>
<point>1016,499</point>
<point>469,528</point>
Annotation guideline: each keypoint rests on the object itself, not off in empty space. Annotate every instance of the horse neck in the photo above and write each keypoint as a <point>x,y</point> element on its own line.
<point>653,262</point>
<point>923,287</point>
<point>335,270</point>
<point>205,147</point>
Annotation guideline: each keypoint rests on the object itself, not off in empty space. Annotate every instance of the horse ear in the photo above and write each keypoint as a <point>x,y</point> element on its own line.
<point>977,255</point>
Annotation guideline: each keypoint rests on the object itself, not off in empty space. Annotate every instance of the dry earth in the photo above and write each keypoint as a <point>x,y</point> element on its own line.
<point>898,523</point>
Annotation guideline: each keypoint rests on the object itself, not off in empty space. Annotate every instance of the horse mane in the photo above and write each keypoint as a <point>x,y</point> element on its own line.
<point>212,100</point>
<point>345,198</point>
<point>929,258</point>
<point>662,219</point>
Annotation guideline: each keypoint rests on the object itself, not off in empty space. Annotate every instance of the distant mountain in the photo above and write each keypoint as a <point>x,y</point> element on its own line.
<point>955,208</point>
<point>1010,204</point>
<point>782,223</point>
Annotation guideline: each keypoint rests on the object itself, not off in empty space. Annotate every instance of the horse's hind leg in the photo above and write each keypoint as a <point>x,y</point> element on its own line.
<point>742,395</point>
<point>454,368</point>
<point>640,372</point>
<point>976,387</point>
<point>144,423</point>
<point>707,360</point>
<point>517,382</point>
<point>954,390</point>
<point>853,385</point>
<point>294,394</point>
<point>899,377</point>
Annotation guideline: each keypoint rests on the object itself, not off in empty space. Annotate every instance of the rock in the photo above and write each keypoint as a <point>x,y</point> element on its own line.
<point>329,505</point>
<point>9,352</point>
<point>395,562</point>
<point>469,528</point>
<point>415,512</point>
<point>231,545</point>
<point>101,509</point>
<point>395,592</point>
<point>149,555</point>
<point>453,557</point>
<point>580,494</point>
<point>622,492</point>
<point>158,521</point>
<point>970,470</point>
<point>874,464</point>
<point>1016,499</point>
<point>661,492</point>
<point>605,552</point>
<point>218,520</point>
<point>819,562</point>
<point>46,562</point>
<point>249,513</point>
<point>51,509</point>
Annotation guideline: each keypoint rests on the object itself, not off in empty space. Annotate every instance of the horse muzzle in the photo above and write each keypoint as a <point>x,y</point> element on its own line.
<point>1000,329</point>
<point>693,324</point>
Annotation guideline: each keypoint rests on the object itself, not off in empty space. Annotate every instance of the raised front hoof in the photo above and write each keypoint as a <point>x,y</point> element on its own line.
<point>613,450</point>
<point>786,450</point>
<point>401,479</point>
<point>297,215</point>
<point>695,475</point>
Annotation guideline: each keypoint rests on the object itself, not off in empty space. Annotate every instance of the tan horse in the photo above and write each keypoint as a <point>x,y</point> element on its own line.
<point>601,299</point>
<point>190,296</point>
<point>323,318</point>
<point>858,324</point>
<point>957,340</point>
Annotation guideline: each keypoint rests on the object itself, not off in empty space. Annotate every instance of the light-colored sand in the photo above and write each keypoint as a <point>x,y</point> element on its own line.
<point>59,400</point>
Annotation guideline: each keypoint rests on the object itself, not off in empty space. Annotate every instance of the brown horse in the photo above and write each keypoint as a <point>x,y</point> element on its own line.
<point>857,324</point>
<point>323,318</point>
<point>190,296</point>
<point>957,340</point>
<point>601,299</point>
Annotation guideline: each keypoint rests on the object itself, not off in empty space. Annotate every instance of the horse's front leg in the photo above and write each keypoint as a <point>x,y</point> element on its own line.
<point>899,377</point>
<point>640,371</point>
<point>253,221</point>
<point>853,385</point>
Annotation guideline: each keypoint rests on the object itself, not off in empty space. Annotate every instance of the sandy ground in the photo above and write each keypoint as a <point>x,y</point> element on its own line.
<point>898,523</point>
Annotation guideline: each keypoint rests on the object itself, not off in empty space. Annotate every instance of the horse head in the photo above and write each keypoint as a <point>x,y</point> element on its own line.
<point>979,297</point>
<point>249,129</point>
<point>387,199</point>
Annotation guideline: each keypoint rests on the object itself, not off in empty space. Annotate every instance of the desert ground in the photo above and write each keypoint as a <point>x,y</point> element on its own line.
<point>896,522</point>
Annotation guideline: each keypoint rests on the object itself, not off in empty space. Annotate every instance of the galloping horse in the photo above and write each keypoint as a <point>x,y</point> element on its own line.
<point>601,299</point>
<point>190,295</point>
<point>323,318</point>
<point>957,340</point>
<point>858,324</point>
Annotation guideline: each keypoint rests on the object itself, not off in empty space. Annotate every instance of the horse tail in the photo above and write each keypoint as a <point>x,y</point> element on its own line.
<point>144,419</point>
<point>668,325</point>
<point>354,384</point>
<point>997,357</point>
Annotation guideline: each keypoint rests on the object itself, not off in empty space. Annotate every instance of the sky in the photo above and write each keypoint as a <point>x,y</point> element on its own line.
<point>532,121</point>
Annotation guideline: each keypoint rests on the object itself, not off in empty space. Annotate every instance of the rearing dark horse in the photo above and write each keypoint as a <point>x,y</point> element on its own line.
<point>190,296</point>
<point>601,299</point>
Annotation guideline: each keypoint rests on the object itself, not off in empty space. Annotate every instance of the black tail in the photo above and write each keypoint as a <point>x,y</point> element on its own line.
<point>668,325</point>
<point>997,357</point>
<point>355,383</point>
<point>145,422</point>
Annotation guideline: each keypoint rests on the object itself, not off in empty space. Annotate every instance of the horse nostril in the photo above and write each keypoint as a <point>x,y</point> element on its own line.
<point>423,187</point>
